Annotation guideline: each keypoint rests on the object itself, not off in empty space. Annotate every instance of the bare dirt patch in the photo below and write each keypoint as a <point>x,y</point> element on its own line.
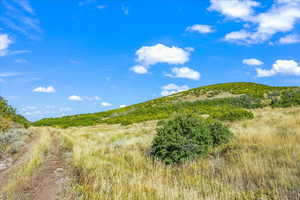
<point>48,183</point>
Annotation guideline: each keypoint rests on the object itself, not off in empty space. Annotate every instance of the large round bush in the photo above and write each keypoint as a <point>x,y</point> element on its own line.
<point>186,137</point>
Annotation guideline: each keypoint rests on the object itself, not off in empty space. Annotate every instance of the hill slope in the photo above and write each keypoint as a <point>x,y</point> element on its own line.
<point>227,102</point>
<point>9,118</point>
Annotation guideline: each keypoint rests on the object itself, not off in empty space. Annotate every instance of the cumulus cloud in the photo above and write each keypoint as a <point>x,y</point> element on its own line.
<point>173,89</point>
<point>281,17</point>
<point>105,104</point>
<point>284,67</point>
<point>200,28</point>
<point>290,39</point>
<point>84,98</point>
<point>151,55</point>
<point>139,69</point>
<point>241,35</point>
<point>75,98</point>
<point>5,41</point>
<point>159,53</point>
<point>184,72</point>
<point>234,8</point>
<point>123,106</point>
<point>49,89</point>
<point>252,62</point>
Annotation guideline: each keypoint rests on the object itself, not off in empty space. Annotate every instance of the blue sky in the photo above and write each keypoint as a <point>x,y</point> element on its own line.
<point>67,57</point>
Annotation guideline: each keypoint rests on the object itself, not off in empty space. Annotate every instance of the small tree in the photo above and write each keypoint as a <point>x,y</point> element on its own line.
<point>186,137</point>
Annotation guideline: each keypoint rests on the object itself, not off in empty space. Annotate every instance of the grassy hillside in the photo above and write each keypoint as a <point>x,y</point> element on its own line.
<point>262,162</point>
<point>226,102</point>
<point>9,117</point>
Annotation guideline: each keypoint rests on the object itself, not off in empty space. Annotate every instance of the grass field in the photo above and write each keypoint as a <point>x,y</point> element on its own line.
<point>262,162</point>
<point>106,156</point>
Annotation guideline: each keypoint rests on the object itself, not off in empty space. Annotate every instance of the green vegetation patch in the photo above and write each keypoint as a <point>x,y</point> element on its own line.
<point>249,96</point>
<point>8,116</point>
<point>187,137</point>
<point>286,98</point>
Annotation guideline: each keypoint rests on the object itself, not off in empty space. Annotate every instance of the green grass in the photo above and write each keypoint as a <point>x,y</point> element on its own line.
<point>225,109</point>
<point>8,116</point>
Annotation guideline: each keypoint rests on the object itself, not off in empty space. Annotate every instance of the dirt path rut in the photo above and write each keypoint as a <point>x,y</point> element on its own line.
<point>48,183</point>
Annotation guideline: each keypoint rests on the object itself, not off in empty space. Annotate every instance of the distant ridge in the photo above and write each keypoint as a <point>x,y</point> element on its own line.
<point>227,101</point>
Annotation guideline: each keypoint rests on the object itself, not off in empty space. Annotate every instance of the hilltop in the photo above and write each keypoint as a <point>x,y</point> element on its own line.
<point>225,102</point>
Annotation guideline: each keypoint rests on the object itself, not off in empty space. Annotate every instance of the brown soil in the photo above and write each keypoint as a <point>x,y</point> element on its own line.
<point>48,183</point>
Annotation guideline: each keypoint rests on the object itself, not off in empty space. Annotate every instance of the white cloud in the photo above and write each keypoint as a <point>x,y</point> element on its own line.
<point>189,49</point>
<point>19,16</point>
<point>123,106</point>
<point>159,53</point>
<point>151,55</point>
<point>25,5</point>
<point>75,98</point>
<point>281,17</point>
<point>21,61</point>
<point>290,39</point>
<point>84,98</point>
<point>17,52</point>
<point>252,62</point>
<point>101,7</point>
<point>237,35</point>
<point>139,69</point>
<point>5,41</point>
<point>86,2</point>
<point>184,72</point>
<point>105,104</point>
<point>234,8</point>
<point>173,89</point>
<point>49,89</point>
<point>200,28</point>
<point>8,74</point>
<point>34,111</point>
<point>93,98</point>
<point>284,67</point>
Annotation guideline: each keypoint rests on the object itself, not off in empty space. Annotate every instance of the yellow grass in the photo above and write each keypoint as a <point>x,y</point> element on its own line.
<point>262,162</point>
<point>22,177</point>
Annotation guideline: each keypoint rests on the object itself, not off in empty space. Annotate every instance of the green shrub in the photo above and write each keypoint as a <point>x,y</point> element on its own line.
<point>287,98</point>
<point>187,137</point>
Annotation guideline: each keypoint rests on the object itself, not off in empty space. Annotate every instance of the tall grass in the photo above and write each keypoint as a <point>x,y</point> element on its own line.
<point>263,162</point>
<point>33,160</point>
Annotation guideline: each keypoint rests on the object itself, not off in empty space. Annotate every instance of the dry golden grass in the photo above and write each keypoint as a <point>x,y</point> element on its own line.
<point>262,162</point>
<point>5,124</point>
<point>33,159</point>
